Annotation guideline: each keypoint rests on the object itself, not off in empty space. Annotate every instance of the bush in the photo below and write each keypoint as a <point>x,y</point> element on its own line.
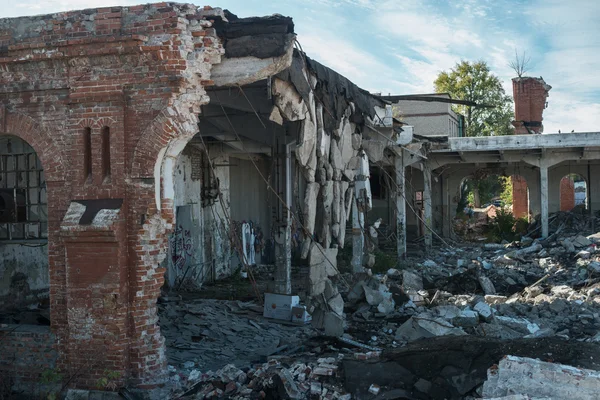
<point>503,226</point>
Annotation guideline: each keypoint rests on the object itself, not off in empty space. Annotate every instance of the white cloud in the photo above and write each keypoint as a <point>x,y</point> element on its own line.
<point>359,65</point>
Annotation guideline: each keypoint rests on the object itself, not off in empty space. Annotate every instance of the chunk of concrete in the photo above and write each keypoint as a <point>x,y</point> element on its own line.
<point>373,296</point>
<point>486,285</point>
<point>425,327</point>
<point>530,377</point>
<point>411,281</point>
<point>485,312</point>
<point>581,241</point>
<point>333,324</point>
<point>387,305</point>
<point>466,319</point>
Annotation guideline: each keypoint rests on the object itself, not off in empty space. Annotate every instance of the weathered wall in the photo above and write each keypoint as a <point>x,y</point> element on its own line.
<point>429,118</point>
<point>520,197</point>
<point>199,246</point>
<point>530,96</point>
<point>24,277</point>
<point>250,197</point>
<point>27,351</point>
<point>567,194</point>
<point>140,72</point>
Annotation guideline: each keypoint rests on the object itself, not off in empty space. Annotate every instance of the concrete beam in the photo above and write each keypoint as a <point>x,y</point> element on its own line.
<point>523,142</point>
<point>246,70</point>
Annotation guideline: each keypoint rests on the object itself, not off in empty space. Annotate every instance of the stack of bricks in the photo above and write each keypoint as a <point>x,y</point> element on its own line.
<point>70,80</point>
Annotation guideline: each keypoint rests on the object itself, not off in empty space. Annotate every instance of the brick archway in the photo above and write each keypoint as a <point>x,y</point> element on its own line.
<point>26,128</point>
<point>169,124</point>
<point>157,148</point>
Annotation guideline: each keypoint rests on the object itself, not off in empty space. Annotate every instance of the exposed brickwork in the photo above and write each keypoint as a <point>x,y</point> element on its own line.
<point>520,199</point>
<point>141,72</point>
<point>26,353</point>
<point>530,96</point>
<point>567,194</point>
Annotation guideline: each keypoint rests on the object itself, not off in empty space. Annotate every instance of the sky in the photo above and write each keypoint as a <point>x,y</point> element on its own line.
<point>399,46</point>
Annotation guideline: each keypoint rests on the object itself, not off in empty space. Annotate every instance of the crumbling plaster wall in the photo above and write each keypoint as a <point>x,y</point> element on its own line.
<point>328,153</point>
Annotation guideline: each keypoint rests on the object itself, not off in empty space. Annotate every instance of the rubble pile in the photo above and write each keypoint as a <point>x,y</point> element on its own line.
<point>272,379</point>
<point>527,289</point>
<point>566,223</point>
<point>210,334</point>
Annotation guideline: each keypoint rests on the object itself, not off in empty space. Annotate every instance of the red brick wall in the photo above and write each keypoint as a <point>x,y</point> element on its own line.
<point>27,351</point>
<point>139,71</point>
<point>530,96</point>
<point>567,194</point>
<point>520,197</point>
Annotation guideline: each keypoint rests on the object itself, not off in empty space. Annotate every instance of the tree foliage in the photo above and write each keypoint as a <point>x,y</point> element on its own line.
<point>474,82</point>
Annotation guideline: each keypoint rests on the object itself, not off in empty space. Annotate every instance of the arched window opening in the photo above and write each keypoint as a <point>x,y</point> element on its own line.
<point>87,153</point>
<point>23,199</point>
<point>573,193</point>
<point>106,152</point>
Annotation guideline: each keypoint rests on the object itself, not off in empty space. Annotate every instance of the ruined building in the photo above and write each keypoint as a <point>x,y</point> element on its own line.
<point>146,146</point>
<point>133,140</point>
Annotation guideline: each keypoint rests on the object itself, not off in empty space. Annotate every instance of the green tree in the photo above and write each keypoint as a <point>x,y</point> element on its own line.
<point>474,82</point>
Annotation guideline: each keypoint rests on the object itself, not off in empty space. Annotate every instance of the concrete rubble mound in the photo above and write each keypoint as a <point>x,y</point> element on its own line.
<point>430,328</point>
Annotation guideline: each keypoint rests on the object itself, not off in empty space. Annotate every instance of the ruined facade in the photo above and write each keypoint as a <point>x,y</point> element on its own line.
<point>134,135</point>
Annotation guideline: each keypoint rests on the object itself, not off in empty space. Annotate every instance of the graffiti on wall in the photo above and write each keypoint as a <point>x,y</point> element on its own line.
<point>181,247</point>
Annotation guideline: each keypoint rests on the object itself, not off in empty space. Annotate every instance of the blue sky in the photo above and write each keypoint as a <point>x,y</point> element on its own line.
<point>399,46</point>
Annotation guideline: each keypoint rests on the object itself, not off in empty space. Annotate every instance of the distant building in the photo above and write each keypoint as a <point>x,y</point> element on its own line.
<point>429,118</point>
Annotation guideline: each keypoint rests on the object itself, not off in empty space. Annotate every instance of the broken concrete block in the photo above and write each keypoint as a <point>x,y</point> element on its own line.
<point>356,141</point>
<point>495,299</point>
<point>526,376</point>
<point>387,305</point>
<point>520,325</point>
<point>374,149</point>
<point>568,245</point>
<point>310,206</point>
<point>429,264</point>
<point>466,319</point>
<point>484,311</point>
<point>336,304</point>
<point>373,296</point>
<point>581,241</point>
<point>486,285</point>
<point>333,324</point>
<point>411,281</point>
<point>424,327</point>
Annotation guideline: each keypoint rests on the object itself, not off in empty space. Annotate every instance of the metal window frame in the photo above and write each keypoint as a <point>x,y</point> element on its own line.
<point>26,186</point>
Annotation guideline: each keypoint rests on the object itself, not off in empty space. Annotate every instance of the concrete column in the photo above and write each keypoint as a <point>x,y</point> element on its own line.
<point>447,215</point>
<point>283,240</point>
<point>544,199</point>
<point>358,240</point>
<point>400,206</point>
<point>427,205</point>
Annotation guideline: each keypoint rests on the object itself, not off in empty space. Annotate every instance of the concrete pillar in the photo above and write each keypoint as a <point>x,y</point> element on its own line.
<point>427,205</point>
<point>283,240</point>
<point>358,240</point>
<point>400,206</point>
<point>544,199</point>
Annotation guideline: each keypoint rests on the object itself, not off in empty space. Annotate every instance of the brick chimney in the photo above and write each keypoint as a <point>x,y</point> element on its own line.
<point>530,96</point>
